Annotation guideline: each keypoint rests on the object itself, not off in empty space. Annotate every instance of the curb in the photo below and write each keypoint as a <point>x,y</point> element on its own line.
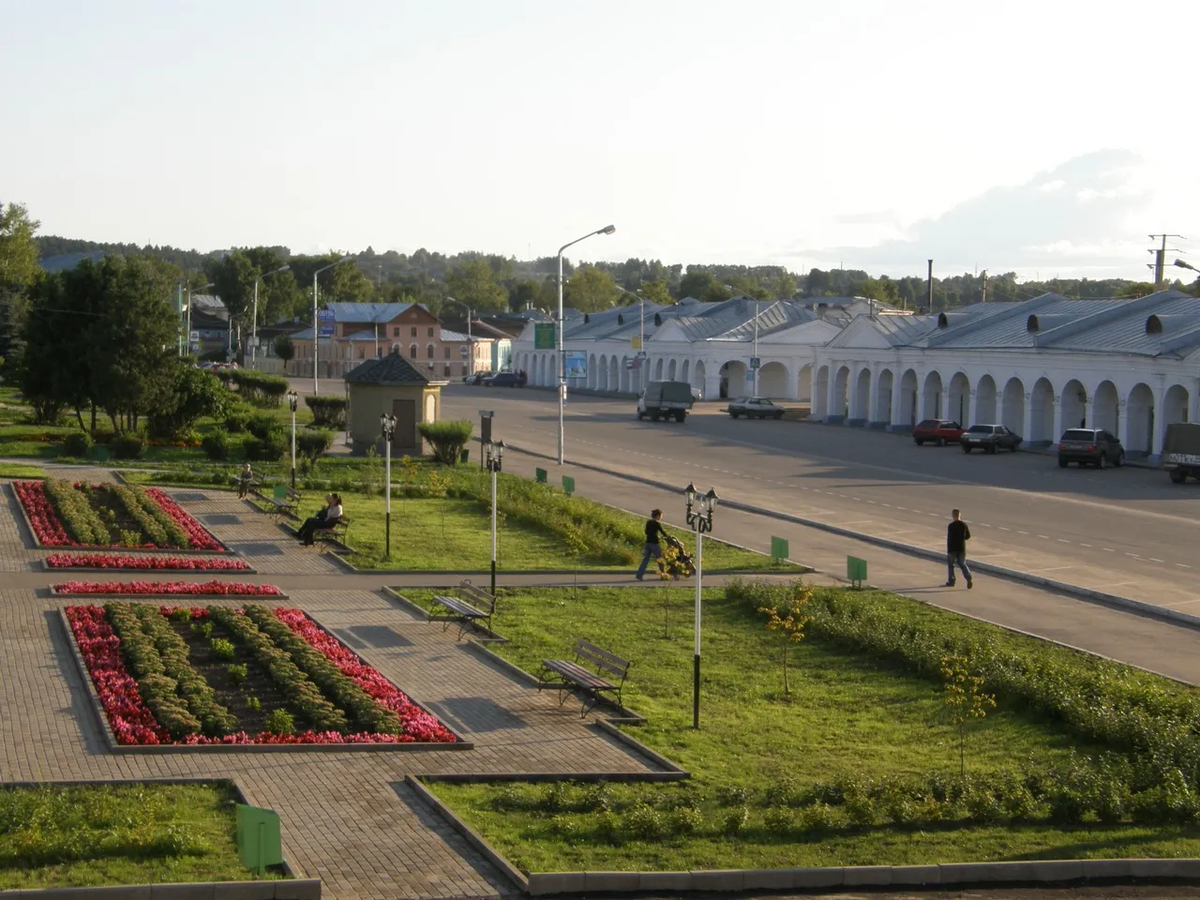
<point>1101,598</point>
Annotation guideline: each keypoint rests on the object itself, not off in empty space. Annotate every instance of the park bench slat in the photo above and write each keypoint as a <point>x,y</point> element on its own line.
<point>473,605</point>
<point>576,679</point>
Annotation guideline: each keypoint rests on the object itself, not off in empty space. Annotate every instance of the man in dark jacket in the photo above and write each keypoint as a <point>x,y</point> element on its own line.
<point>957,535</point>
<point>654,534</point>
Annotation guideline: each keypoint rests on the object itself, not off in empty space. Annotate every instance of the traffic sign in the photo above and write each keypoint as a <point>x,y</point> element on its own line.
<point>543,336</point>
<point>462,351</point>
<point>755,362</point>
<point>641,354</point>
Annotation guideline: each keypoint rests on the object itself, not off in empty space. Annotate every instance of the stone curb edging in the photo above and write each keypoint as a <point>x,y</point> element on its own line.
<point>1087,594</point>
<point>114,746</point>
<point>421,613</point>
<point>67,570</point>
<point>298,889</point>
<point>468,834</point>
<point>116,595</point>
<point>671,772</point>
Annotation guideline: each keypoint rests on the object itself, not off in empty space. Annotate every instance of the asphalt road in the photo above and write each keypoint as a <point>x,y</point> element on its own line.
<point>1126,531</point>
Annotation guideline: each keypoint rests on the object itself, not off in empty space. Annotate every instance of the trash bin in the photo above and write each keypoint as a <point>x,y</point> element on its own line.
<point>464,456</point>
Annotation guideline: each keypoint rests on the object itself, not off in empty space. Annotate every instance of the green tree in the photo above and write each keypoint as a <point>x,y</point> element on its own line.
<point>657,292</point>
<point>474,284</point>
<point>18,249</point>
<point>703,285</point>
<point>1136,289</point>
<point>590,289</point>
<point>285,348</point>
<point>233,280</point>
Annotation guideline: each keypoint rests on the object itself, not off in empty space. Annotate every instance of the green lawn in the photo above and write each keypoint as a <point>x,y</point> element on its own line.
<point>81,836</point>
<point>18,470</point>
<point>849,716</point>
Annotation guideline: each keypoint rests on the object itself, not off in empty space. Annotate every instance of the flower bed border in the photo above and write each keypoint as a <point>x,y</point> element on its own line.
<point>111,744</point>
<point>240,598</point>
<point>87,569</point>
<point>37,543</point>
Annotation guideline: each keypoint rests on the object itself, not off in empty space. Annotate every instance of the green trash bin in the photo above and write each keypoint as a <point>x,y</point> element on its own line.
<point>464,456</point>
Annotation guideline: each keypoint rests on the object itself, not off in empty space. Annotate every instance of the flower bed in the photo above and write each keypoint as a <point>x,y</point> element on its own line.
<point>142,561</point>
<point>169,588</point>
<point>63,514</point>
<point>207,676</point>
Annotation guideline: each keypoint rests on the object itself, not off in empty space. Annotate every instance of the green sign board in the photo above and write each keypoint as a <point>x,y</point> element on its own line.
<point>540,474</point>
<point>543,336</point>
<point>568,484</point>
<point>779,549</point>
<point>856,570</point>
<point>258,840</point>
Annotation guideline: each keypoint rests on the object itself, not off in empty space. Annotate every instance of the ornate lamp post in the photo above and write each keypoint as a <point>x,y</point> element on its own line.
<point>699,518</point>
<point>387,424</point>
<point>293,400</point>
<point>494,454</point>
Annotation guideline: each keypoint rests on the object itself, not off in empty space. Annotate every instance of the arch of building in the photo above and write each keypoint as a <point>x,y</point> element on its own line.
<point>1139,410</point>
<point>820,394</point>
<point>1041,414</point>
<point>931,396</point>
<point>804,384</point>
<point>860,399</point>
<point>1012,405</point>
<point>684,374</point>
<point>1106,408</point>
<point>698,374</point>
<point>774,379</point>
<point>733,379</point>
<point>881,415</point>
<point>614,374</point>
<point>839,396</point>
<point>959,408</point>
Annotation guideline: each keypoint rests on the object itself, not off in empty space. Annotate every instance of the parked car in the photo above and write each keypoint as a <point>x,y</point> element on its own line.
<point>1181,451</point>
<point>1090,446</point>
<point>754,408</point>
<point>937,431</point>
<point>989,439</point>
<point>504,379</point>
<point>697,394</point>
<point>476,377</point>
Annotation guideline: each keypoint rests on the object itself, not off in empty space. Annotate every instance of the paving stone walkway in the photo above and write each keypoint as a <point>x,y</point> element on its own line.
<point>347,816</point>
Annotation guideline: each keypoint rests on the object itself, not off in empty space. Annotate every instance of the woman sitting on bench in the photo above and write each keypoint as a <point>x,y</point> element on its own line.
<point>326,518</point>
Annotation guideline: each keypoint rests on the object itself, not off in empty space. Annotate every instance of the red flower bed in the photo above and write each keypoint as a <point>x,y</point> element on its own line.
<point>182,588</point>
<point>46,525</point>
<point>418,724</point>
<point>141,561</point>
<point>132,722</point>
<point>200,538</point>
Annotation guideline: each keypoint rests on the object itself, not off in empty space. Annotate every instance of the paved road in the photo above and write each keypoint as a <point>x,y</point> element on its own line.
<point>1124,531</point>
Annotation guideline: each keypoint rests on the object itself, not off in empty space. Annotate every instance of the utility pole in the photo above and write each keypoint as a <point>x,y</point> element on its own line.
<point>984,286</point>
<point>930,286</point>
<point>1160,256</point>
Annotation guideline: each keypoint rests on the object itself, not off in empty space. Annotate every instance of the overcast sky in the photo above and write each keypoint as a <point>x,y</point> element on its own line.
<point>1044,137</point>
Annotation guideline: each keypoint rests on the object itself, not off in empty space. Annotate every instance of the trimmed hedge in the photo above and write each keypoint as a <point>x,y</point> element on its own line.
<point>447,439</point>
<point>258,388</point>
<point>127,445</point>
<point>312,444</point>
<point>77,443</point>
<point>328,412</point>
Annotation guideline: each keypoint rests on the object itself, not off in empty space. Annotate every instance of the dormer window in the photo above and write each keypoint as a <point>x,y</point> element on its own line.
<point>1031,324</point>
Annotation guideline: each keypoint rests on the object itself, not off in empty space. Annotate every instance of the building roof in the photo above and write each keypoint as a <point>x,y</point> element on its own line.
<point>210,302</point>
<point>448,335</point>
<point>368,313</point>
<point>390,369</point>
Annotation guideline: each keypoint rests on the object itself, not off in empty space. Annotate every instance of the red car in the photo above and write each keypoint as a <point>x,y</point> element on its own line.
<point>937,431</point>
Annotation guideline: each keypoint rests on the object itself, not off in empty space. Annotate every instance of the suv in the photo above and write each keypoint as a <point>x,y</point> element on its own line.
<point>937,431</point>
<point>1090,446</point>
<point>989,439</point>
<point>504,379</point>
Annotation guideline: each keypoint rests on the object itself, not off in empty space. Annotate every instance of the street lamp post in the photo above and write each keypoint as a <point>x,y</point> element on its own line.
<point>254,323</point>
<point>495,460</point>
<point>754,352</point>
<point>387,424</point>
<point>699,518</point>
<point>470,342</point>
<point>562,362</point>
<point>316,335</point>
<point>641,333</point>
<point>293,400</point>
<point>1184,264</point>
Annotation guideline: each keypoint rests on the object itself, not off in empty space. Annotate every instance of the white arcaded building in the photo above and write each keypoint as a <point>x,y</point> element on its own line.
<point>1038,366</point>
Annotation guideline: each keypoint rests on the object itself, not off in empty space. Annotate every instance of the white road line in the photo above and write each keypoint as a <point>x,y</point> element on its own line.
<point>1044,537</point>
<point>1182,566</point>
<point>1002,528</point>
<point>1063,541</point>
<point>1155,559</point>
<point>1081,544</point>
<point>1134,555</point>
<point>1108,549</point>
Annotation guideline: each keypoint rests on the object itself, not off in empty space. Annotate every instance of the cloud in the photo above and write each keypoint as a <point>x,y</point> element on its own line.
<point>1066,217</point>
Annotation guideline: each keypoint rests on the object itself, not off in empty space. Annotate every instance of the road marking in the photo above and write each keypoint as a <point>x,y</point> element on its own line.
<point>1044,537</point>
<point>1002,528</point>
<point>1063,541</point>
<point>1108,549</point>
<point>1182,566</point>
<point>1134,555</point>
<point>1155,559</point>
<point>1081,544</point>
<point>1022,532</point>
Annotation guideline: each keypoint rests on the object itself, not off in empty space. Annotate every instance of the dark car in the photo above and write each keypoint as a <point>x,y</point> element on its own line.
<point>504,379</point>
<point>1090,446</point>
<point>989,439</point>
<point>476,377</point>
<point>754,408</point>
<point>937,431</point>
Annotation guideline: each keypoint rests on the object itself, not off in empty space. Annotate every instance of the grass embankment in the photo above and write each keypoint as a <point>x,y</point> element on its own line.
<point>82,836</point>
<point>19,470</point>
<point>858,765</point>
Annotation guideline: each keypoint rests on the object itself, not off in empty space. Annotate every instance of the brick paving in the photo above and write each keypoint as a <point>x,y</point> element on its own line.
<point>347,816</point>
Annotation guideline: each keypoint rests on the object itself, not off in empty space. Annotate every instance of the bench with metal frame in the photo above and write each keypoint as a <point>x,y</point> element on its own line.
<point>282,501</point>
<point>579,680</point>
<point>473,604</point>
<point>335,533</point>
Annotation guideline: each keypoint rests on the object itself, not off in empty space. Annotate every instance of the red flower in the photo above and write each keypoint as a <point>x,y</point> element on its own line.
<point>198,536</point>
<point>136,588</point>
<point>42,517</point>
<point>142,561</point>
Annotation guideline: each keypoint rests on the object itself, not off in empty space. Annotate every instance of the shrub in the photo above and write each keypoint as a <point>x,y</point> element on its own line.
<point>238,420</point>
<point>237,673</point>
<point>216,444</point>
<point>328,412</point>
<point>447,439</point>
<point>194,393</point>
<point>285,348</point>
<point>128,445</point>
<point>222,649</point>
<point>260,425</point>
<point>272,449</point>
<point>280,721</point>
<point>77,443</point>
<point>258,388</point>
<point>312,444</point>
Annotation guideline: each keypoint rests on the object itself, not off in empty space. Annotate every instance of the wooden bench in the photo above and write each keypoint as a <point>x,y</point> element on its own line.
<point>333,533</point>
<point>473,604</point>
<point>575,678</point>
<point>282,501</point>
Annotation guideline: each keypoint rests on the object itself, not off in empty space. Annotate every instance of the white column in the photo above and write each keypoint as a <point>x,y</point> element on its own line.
<point>943,411</point>
<point>831,390</point>
<point>1058,422</point>
<point>1156,432</point>
<point>897,394</point>
<point>1089,412</point>
<point>1027,425</point>
<point>1122,422</point>
<point>873,396</point>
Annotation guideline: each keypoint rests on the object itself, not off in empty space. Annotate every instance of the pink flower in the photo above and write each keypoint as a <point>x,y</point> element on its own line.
<point>198,536</point>
<point>42,517</point>
<point>142,561</point>
<point>141,588</point>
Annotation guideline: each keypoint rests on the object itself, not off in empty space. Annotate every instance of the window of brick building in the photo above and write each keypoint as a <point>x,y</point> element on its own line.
<point>412,352</point>
<point>414,331</point>
<point>429,352</point>
<point>447,351</point>
<point>430,331</point>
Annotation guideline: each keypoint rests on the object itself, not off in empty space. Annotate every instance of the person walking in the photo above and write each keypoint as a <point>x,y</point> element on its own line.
<point>245,480</point>
<point>957,535</point>
<point>654,535</point>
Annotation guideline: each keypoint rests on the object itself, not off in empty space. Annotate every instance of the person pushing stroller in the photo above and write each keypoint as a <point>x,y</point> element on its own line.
<point>656,535</point>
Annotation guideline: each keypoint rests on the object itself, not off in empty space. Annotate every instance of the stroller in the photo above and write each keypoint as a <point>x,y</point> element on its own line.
<point>676,562</point>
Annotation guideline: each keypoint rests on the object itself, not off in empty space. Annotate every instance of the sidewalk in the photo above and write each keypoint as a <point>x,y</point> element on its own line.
<point>1149,643</point>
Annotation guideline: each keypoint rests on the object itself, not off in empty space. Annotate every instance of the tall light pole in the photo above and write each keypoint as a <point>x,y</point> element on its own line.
<point>293,400</point>
<point>1184,264</point>
<point>470,343</point>
<point>562,362</point>
<point>316,334</point>
<point>387,424</point>
<point>754,352</point>
<point>700,522</point>
<point>188,327</point>
<point>495,460</point>
<point>254,323</point>
<point>641,332</point>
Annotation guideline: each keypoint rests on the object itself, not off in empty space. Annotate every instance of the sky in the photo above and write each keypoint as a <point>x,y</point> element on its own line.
<point>1048,138</point>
